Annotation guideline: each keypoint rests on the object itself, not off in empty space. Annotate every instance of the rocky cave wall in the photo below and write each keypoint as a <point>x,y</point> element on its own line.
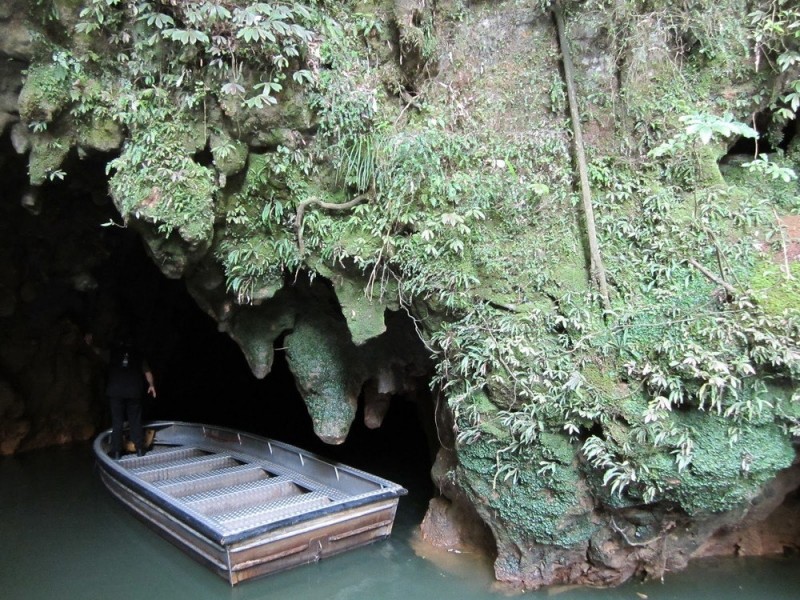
<point>396,182</point>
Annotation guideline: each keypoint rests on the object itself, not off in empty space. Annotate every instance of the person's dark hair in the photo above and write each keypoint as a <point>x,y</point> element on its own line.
<point>123,333</point>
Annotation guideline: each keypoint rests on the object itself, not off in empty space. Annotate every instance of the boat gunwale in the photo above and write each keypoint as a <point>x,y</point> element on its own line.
<point>208,528</point>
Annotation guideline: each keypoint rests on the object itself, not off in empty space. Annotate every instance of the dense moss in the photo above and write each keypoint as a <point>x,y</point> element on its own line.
<point>543,506</point>
<point>45,94</point>
<point>47,154</point>
<point>775,291</point>
<point>255,329</point>
<point>230,156</point>
<point>102,134</point>
<point>318,352</point>
<point>725,474</point>
<point>155,179</point>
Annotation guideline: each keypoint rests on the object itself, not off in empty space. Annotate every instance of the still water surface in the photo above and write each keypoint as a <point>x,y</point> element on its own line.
<point>63,537</point>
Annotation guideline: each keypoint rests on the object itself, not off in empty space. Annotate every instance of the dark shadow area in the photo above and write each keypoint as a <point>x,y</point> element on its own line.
<point>202,376</point>
<point>770,138</point>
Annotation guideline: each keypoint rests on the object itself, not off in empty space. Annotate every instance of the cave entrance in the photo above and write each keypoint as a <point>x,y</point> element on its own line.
<point>204,377</point>
<point>772,137</point>
<point>201,373</point>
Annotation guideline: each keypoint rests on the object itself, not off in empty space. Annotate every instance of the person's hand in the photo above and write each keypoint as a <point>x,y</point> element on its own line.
<point>88,339</point>
<point>151,390</point>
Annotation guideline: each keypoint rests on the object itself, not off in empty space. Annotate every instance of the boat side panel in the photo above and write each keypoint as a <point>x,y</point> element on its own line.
<point>190,541</point>
<point>311,542</point>
<point>277,551</point>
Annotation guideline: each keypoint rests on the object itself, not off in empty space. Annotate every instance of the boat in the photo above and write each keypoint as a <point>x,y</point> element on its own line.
<point>244,505</point>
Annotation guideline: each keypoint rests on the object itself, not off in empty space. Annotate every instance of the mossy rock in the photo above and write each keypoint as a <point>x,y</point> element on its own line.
<point>182,203</point>
<point>255,330</point>
<point>717,479</point>
<point>45,93</point>
<point>364,315</point>
<point>271,125</point>
<point>708,172</point>
<point>480,403</point>
<point>785,397</point>
<point>546,508</point>
<point>723,474</point>
<point>173,255</point>
<point>318,352</point>
<point>100,134</point>
<point>194,136</point>
<point>776,293</point>
<point>47,155</point>
<point>230,156</point>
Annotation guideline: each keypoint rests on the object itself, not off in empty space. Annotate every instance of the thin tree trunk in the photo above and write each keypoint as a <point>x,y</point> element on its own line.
<point>713,278</point>
<point>596,267</point>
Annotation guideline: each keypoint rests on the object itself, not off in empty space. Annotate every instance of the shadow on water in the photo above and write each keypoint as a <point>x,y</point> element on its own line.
<point>64,537</point>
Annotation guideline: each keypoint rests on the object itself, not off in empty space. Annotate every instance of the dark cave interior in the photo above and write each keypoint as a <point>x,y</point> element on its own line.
<point>772,137</point>
<point>200,372</point>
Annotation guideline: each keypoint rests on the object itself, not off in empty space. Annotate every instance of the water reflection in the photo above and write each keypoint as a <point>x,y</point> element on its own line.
<point>64,537</point>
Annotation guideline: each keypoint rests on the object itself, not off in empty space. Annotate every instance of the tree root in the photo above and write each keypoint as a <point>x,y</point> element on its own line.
<point>625,537</point>
<point>301,211</point>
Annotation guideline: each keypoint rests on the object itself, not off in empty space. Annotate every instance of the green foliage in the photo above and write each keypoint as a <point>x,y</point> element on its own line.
<point>704,128</point>
<point>259,246</point>
<point>156,179</point>
<point>776,35</point>
<point>46,93</point>
<point>229,44</point>
<point>762,166</point>
<point>724,472</point>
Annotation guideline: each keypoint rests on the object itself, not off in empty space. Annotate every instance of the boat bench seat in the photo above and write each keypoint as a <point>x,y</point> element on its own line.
<point>271,512</point>
<point>197,483</point>
<point>195,464</point>
<point>243,495</point>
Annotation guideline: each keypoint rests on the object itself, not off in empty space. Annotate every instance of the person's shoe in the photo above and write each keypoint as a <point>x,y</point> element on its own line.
<point>115,455</point>
<point>140,453</point>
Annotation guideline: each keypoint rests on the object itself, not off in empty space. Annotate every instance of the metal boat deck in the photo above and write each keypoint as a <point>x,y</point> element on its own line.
<point>245,505</point>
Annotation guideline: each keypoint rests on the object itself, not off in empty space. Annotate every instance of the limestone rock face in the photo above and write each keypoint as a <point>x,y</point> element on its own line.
<point>451,521</point>
<point>10,85</point>
<point>330,369</point>
<point>15,36</point>
<point>256,329</point>
<point>271,125</point>
<point>177,253</point>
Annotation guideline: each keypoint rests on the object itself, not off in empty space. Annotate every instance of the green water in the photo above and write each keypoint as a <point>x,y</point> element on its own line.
<point>62,537</point>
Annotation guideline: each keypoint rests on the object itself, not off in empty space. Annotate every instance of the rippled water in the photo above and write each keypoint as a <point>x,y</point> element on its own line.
<point>62,536</point>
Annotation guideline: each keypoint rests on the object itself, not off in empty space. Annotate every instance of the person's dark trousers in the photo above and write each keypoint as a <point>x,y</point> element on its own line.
<point>119,408</point>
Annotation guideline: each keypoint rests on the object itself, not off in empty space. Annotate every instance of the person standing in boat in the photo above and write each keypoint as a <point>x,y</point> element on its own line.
<point>128,374</point>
